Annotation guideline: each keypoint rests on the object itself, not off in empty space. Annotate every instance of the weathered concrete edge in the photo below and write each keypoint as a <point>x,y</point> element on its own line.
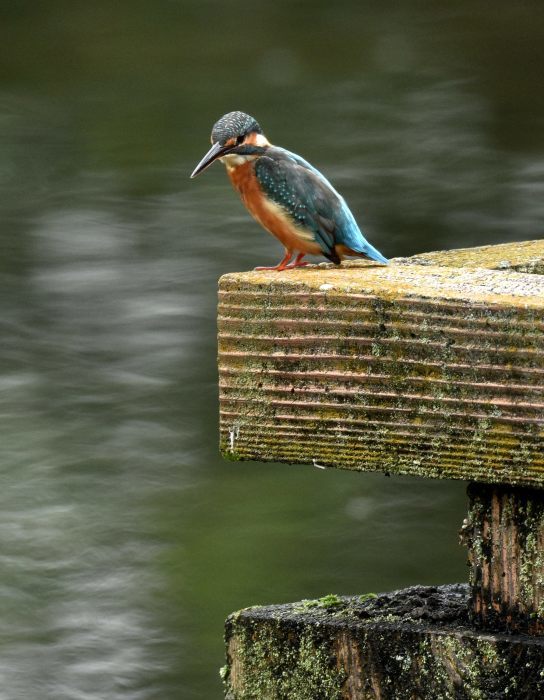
<point>397,282</point>
<point>521,256</point>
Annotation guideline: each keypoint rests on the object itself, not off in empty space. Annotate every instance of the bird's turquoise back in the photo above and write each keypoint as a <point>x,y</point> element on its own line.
<point>312,203</point>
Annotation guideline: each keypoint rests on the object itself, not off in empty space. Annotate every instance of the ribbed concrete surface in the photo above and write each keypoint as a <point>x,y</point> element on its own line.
<point>428,370</point>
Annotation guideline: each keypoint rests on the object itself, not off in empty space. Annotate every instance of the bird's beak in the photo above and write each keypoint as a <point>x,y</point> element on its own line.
<point>215,152</point>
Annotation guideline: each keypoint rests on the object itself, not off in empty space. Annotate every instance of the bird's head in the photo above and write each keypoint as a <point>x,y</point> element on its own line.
<point>236,137</point>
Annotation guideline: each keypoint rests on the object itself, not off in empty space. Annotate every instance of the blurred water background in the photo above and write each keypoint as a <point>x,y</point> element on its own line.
<point>124,539</point>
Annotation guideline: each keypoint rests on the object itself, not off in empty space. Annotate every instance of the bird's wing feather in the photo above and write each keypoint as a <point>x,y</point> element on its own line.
<point>304,194</point>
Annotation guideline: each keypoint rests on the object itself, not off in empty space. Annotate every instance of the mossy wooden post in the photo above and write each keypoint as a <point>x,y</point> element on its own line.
<point>432,366</point>
<point>504,533</point>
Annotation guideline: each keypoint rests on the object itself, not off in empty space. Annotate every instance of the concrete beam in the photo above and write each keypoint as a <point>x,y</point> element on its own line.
<point>414,368</point>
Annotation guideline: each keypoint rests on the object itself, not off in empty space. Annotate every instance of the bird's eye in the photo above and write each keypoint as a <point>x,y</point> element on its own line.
<point>240,139</point>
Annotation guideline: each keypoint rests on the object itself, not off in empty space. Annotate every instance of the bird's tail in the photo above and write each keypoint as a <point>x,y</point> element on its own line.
<point>370,252</point>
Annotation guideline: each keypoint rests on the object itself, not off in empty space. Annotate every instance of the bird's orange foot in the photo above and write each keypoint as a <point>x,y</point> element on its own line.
<point>282,264</point>
<point>296,264</point>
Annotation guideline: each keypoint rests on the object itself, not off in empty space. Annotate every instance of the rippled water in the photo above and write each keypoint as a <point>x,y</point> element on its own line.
<point>125,540</point>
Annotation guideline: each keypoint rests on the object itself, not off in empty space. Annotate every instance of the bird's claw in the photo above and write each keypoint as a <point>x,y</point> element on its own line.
<point>295,264</point>
<point>285,264</point>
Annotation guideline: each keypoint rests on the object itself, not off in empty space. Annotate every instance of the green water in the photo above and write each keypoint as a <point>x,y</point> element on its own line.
<point>125,539</point>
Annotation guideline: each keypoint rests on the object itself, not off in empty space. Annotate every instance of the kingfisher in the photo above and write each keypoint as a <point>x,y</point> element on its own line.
<point>289,197</point>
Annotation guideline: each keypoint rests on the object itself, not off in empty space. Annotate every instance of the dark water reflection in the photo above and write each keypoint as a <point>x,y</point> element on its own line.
<point>125,539</point>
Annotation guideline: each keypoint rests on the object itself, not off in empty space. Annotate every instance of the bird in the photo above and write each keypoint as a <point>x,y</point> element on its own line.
<point>290,198</point>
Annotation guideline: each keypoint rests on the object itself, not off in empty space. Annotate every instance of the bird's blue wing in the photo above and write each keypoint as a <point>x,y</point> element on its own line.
<point>302,195</point>
<point>312,203</point>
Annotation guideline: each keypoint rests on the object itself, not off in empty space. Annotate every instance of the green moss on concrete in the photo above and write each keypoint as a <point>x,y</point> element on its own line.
<point>328,601</point>
<point>277,663</point>
<point>531,555</point>
<point>454,667</point>
<point>230,455</point>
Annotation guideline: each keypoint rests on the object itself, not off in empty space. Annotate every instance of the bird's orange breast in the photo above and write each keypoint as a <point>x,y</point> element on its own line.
<point>270,215</point>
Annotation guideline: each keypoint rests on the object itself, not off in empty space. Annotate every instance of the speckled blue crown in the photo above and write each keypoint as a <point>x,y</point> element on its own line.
<point>234,124</point>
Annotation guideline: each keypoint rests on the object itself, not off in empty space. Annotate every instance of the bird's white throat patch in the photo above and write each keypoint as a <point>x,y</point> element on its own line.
<point>234,160</point>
